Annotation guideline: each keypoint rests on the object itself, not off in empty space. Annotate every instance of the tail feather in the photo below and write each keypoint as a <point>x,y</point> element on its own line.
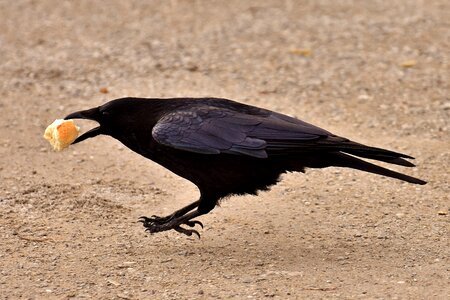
<point>380,154</point>
<point>381,157</point>
<point>345,160</point>
<point>341,152</point>
<point>338,144</point>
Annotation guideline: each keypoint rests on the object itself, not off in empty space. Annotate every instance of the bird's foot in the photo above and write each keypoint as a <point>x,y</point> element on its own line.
<point>157,224</point>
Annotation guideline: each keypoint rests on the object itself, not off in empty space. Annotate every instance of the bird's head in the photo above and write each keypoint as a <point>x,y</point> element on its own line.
<point>116,118</point>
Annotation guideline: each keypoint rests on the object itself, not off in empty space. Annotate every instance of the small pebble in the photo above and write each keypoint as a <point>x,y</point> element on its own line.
<point>363,97</point>
<point>301,52</point>
<point>103,90</point>
<point>408,63</point>
<point>113,282</point>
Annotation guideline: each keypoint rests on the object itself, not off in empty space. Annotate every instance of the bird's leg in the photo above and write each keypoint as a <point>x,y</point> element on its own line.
<point>183,216</point>
<point>174,223</point>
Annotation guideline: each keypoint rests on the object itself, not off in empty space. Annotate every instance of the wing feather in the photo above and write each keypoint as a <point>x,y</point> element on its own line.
<point>212,130</point>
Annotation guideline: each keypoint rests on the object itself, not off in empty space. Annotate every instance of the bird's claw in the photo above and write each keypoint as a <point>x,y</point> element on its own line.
<point>156,224</point>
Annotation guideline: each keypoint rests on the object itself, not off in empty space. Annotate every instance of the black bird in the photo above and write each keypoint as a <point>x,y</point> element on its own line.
<point>226,148</point>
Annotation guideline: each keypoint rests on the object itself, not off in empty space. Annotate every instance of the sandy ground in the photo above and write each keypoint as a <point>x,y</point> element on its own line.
<point>374,71</point>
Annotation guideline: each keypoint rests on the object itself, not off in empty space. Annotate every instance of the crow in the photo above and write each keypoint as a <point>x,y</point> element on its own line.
<point>226,148</point>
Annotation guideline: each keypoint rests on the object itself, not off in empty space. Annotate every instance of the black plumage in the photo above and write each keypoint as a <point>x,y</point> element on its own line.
<point>225,147</point>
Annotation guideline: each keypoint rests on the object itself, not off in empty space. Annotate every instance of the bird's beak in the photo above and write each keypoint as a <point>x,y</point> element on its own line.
<point>89,114</point>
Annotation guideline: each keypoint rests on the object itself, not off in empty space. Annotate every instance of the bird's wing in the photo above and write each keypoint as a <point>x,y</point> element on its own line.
<point>212,130</point>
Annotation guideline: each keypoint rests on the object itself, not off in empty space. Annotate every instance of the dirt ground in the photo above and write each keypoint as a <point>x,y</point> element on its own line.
<point>374,71</point>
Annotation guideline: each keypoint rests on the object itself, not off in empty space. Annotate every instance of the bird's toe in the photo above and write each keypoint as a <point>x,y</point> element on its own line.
<point>193,223</point>
<point>188,232</point>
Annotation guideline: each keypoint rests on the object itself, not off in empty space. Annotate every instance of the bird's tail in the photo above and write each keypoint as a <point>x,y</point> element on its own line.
<point>339,159</point>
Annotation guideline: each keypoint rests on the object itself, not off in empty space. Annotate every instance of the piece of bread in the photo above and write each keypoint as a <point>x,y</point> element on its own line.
<point>61,133</point>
